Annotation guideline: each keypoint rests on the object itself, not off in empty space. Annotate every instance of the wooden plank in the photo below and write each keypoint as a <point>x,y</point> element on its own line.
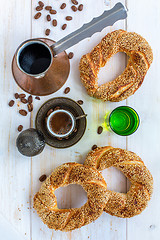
<point>15,169</point>
<point>144,19</point>
<point>106,227</point>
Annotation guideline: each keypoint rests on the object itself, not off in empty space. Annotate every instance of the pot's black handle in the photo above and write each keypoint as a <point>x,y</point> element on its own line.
<point>108,18</point>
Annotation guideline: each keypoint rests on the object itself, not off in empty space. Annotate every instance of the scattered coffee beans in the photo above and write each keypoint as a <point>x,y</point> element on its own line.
<point>30,107</point>
<point>74,8</point>
<point>47,32</point>
<point>38,98</point>
<point>54,22</point>
<point>20,127</point>
<point>53,11</point>
<point>80,102</point>
<point>23,112</point>
<point>48,18</point>
<point>80,8</point>
<point>68,18</point>
<point>42,178</point>
<point>67,90</point>
<point>23,100</point>
<point>64,26</point>
<point>11,103</point>
<point>100,130</point>
<point>94,147</point>
<point>74,2</point>
<point>41,3</point>
<point>38,15</point>
<point>49,112</point>
<point>63,6</point>
<point>70,55</point>
<point>16,95</point>
<point>39,8</point>
<point>48,8</point>
<point>22,95</point>
<point>30,99</point>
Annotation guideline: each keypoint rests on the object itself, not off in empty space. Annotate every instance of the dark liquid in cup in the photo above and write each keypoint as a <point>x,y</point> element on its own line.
<point>35,58</point>
<point>60,123</point>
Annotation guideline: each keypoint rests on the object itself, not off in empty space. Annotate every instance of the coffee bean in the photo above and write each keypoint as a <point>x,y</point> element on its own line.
<point>30,99</point>
<point>11,103</point>
<point>49,112</point>
<point>70,55</point>
<point>42,178</point>
<point>23,112</point>
<point>68,18</point>
<point>94,147</point>
<point>22,95</point>
<point>38,98</point>
<point>23,100</point>
<point>64,26</point>
<point>74,2</point>
<point>60,139</point>
<point>41,3</point>
<point>100,130</point>
<point>67,90</point>
<point>80,102</point>
<point>38,15</point>
<point>57,108</point>
<point>54,22</point>
<point>53,11</point>
<point>63,6</point>
<point>48,18</point>
<point>30,107</point>
<point>47,32</point>
<point>80,7</point>
<point>20,127</point>
<point>74,8</point>
<point>16,95</point>
<point>39,8</point>
<point>48,8</point>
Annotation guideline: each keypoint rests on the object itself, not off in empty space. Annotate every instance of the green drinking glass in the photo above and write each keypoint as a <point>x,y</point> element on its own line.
<point>124,120</point>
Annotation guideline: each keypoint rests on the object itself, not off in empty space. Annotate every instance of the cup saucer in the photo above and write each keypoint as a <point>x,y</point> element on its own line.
<point>67,104</point>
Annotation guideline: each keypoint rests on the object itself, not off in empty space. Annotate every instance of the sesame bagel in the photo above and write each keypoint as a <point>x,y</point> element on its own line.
<point>90,179</point>
<point>136,199</point>
<point>140,58</point>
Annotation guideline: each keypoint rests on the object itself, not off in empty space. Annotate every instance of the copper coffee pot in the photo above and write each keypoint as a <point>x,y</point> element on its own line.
<point>41,66</point>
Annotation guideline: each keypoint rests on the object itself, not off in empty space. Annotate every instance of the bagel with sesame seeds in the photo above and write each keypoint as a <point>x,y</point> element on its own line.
<point>136,199</point>
<point>140,58</point>
<point>93,183</point>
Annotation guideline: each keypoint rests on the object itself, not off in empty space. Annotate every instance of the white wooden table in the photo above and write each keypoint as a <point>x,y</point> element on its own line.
<point>19,175</point>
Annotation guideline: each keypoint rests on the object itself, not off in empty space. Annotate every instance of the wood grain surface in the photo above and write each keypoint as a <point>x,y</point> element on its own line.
<point>19,176</point>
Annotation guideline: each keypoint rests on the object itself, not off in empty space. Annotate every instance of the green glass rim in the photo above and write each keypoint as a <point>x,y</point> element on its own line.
<point>125,135</point>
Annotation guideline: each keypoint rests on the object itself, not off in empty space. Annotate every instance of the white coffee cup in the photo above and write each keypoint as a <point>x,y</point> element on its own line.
<point>73,123</point>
